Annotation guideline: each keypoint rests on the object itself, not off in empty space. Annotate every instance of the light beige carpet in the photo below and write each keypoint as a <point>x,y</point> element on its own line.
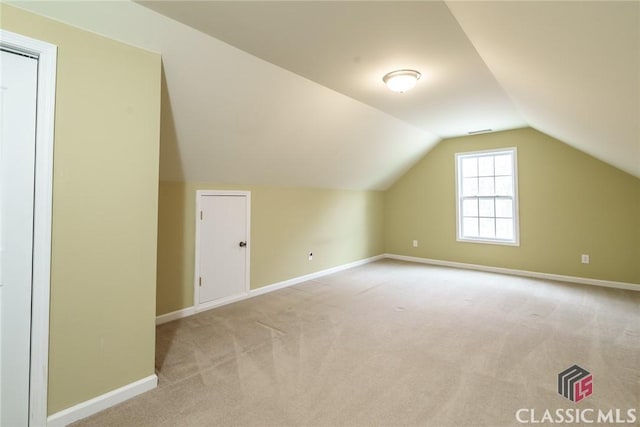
<point>392,343</point>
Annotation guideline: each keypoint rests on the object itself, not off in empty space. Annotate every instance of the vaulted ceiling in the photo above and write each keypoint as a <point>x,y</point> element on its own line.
<point>290,93</point>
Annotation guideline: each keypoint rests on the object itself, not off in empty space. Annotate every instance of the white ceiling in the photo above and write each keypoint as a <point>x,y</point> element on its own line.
<point>571,68</point>
<point>349,46</point>
<point>290,93</point>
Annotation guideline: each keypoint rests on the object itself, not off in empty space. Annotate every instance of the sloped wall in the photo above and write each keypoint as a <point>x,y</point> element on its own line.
<point>570,204</point>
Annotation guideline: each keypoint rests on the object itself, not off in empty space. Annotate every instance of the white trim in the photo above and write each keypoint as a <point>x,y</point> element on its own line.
<point>45,115</point>
<point>102,402</point>
<point>175,315</point>
<point>189,311</point>
<point>513,151</point>
<point>311,276</point>
<point>247,280</point>
<point>221,301</point>
<point>524,273</point>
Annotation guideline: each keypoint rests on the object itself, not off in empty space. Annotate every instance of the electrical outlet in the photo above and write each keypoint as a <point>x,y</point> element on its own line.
<point>415,243</point>
<point>584,258</point>
<point>310,256</point>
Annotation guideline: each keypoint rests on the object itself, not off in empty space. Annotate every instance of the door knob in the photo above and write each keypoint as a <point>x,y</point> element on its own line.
<point>243,244</point>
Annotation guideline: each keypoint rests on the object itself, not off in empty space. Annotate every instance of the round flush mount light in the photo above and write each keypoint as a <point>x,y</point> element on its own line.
<point>401,80</point>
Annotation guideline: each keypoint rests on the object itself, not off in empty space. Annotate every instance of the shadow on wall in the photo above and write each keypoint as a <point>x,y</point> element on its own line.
<point>171,213</point>
<point>170,160</point>
<point>170,268</point>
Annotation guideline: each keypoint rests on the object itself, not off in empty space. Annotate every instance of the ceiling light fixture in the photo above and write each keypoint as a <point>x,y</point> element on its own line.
<point>401,80</point>
<point>473,132</point>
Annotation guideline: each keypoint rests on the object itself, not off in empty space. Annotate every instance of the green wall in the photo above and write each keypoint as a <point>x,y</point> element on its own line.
<point>105,190</point>
<point>338,226</point>
<point>570,204</point>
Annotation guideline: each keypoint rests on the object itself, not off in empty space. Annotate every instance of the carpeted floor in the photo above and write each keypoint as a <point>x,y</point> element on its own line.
<point>392,343</point>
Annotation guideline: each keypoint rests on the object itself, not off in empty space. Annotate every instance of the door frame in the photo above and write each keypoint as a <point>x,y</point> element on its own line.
<point>46,54</point>
<point>247,284</point>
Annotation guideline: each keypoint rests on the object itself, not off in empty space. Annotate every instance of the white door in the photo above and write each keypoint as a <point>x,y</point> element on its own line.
<point>18,84</point>
<point>222,247</point>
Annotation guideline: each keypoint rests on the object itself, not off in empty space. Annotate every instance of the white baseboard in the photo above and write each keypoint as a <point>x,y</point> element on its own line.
<point>189,311</point>
<point>102,402</point>
<point>311,276</point>
<point>174,315</point>
<point>524,273</point>
<point>221,301</point>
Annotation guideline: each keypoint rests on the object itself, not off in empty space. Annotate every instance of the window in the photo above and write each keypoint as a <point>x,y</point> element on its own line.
<point>487,196</point>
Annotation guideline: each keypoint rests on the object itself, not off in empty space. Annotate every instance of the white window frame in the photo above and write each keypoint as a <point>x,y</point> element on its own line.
<point>516,223</point>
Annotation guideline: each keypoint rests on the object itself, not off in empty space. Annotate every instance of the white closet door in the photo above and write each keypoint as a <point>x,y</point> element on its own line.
<point>223,247</point>
<point>18,84</point>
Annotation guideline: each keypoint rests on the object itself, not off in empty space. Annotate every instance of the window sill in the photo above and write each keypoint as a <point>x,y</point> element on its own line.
<point>488,241</point>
